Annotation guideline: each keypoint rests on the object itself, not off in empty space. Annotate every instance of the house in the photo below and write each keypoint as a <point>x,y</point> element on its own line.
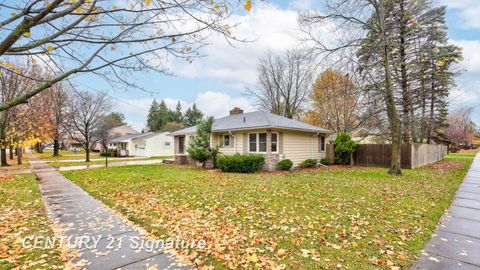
<point>116,132</point>
<point>122,130</point>
<point>263,133</point>
<point>150,144</point>
<point>153,144</point>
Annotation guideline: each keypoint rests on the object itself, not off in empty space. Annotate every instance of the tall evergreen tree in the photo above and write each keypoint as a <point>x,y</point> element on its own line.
<point>177,115</point>
<point>192,116</point>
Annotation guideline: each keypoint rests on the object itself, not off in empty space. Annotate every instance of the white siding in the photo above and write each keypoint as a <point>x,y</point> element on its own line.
<point>154,146</point>
<point>298,146</point>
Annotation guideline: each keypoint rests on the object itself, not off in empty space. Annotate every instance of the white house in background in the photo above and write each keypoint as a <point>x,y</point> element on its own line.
<point>116,132</point>
<point>150,144</point>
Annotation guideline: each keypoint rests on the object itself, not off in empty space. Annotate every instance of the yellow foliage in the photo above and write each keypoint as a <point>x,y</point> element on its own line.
<point>50,48</point>
<point>248,5</point>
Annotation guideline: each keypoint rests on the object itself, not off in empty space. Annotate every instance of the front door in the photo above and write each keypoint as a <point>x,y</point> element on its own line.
<point>181,145</point>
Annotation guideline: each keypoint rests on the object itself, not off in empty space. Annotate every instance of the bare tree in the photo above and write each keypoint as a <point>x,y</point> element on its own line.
<point>86,112</point>
<point>284,82</point>
<point>362,20</point>
<point>461,128</point>
<point>108,122</point>
<point>59,97</point>
<point>99,37</point>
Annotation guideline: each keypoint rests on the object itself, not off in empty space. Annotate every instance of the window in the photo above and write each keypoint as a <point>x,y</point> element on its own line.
<point>181,144</point>
<point>253,142</point>
<point>262,142</point>
<point>226,140</point>
<point>167,145</point>
<point>274,142</point>
<point>321,141</point>
<point>258,142</point>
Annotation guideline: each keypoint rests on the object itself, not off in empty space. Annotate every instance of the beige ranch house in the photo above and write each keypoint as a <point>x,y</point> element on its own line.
<point>263,133</point>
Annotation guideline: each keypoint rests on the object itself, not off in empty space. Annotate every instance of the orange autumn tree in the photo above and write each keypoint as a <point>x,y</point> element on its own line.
<point>30,124</point>
<point>335,102</point>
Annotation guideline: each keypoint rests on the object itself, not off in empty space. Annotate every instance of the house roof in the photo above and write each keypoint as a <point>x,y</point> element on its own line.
<point>140,136</point>
<point>148,135</point>
<point>253,120</point>
<point>125,138</point>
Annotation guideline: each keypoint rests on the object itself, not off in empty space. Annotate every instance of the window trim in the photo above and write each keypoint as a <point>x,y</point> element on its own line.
<point>229,140</point>
<point>257,142</point>
<point>323,146</point>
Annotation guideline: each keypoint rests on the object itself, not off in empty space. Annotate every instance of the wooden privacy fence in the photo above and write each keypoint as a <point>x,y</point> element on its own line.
<point>412,155</point>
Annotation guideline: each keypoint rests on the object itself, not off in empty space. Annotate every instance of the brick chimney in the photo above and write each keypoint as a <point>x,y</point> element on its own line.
<point>236,110</point>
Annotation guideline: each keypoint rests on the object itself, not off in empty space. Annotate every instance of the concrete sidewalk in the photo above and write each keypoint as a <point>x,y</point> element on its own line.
<point>110,241</point>
<point>455,243</point>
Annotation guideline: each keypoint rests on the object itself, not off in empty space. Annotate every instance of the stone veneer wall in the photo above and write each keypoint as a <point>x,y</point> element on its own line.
<point>271,162</point>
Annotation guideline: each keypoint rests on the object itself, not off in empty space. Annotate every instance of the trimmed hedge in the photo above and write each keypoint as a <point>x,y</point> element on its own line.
<point>309,163</point>
<point>106,154</point>
<point>285,164</point>
<point>326,161</point>
<point>240,163</point>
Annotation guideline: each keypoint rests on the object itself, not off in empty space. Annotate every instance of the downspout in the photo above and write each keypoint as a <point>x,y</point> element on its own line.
<point>234,142</point>
<point>318,133</point>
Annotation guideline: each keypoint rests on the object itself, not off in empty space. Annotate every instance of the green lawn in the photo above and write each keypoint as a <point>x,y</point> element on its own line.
<point>47,155</point>
<point>22,214</point>
<point>13,164</point>
<point>355,218</point>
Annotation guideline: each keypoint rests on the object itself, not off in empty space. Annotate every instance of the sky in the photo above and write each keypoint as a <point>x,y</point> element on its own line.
<point>219,81</point>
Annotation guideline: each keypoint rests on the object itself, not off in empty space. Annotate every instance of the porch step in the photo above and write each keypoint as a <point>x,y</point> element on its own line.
<point>168,161</point>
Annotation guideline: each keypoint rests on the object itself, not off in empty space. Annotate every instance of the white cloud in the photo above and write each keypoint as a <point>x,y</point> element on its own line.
<point>211,103</point>
<point>471,54</point>
<point>219,104</point>
<point>301,4</point>
<point>469,11</point>
<point>266,27</point>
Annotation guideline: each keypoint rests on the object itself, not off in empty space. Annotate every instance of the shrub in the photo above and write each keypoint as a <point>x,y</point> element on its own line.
<point>199,148</point>
<point>309,163</point>
<point>240,163</point>
<point>285,164</point>
<point>326,161</point>
<point>453,149</point>
<point>106,154</point>
<point>344,148</point>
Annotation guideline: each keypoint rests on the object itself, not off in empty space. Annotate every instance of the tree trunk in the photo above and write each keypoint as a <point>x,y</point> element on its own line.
<point>406,98</point>
<point>395,123</point>
<point>56,148</point>
<point>3,157</point>
<point>39,148</point>
<point>432,107</point>
<point>87,152</point>
<point>10,150</point>
<point>19,155</point>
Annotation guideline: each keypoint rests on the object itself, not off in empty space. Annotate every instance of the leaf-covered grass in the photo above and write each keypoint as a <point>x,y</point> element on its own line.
<point>47,155</point>
<point>22,214</point>
<point>13,164</point>
<point>355,218</point>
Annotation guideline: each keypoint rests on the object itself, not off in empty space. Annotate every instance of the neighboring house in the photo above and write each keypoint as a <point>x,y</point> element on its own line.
<point>122,130</point>
<point>150,144</point>
<point>364,135</point>
<point>271,135</point>
<point>116,132</point>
